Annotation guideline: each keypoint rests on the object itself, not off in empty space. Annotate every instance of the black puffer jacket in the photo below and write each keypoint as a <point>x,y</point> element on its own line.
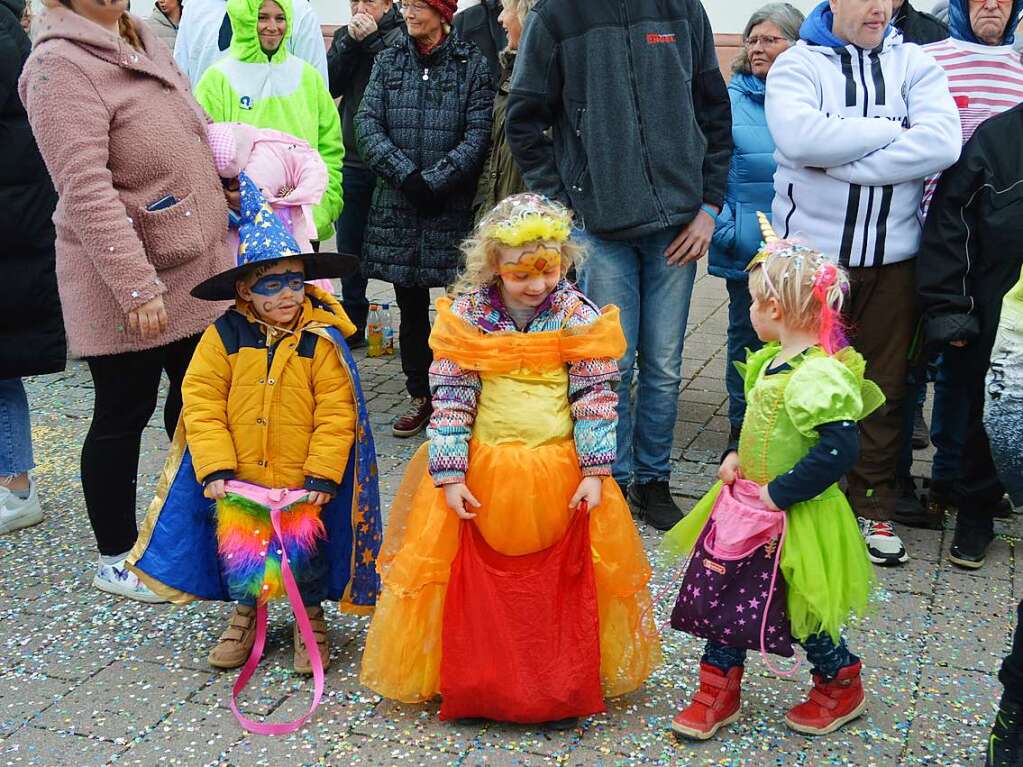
<point>478,24</point>
<point>433,115</point>
<point>31,326</point>
<point>970,250</point>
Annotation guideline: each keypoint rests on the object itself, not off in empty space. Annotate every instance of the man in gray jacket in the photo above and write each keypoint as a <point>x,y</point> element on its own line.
<point>639,146</point>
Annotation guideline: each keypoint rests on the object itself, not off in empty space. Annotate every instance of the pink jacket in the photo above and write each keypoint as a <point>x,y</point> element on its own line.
<point>289,172</point>
<point>118,129</point>
<point>278,162</point>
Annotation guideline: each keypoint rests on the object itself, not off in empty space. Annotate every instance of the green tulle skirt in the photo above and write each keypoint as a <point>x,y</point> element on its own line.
<point>828,575</point>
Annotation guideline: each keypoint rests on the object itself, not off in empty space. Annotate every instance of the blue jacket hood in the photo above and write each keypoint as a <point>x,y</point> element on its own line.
<point>748,85</point>
<point>816,29</point>
<point>959,21</point>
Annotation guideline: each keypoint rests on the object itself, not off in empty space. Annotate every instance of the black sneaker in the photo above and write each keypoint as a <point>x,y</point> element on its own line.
<point>357,340</point>
<point>969,546</point>
<point>1005,743</point>
<point>652,503</point>
<point>921,431</point>
<point>912,511</point>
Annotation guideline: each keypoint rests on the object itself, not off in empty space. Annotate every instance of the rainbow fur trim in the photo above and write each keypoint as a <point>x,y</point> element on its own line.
<point>250,552</point>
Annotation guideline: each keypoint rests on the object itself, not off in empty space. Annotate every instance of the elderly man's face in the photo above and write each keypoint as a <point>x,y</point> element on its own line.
<point>989,19</point>
<point>861,22</point>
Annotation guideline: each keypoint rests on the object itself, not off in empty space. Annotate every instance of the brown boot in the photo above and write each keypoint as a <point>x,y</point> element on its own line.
<point>236,642</point>
<point>319,625</point>
<point>415,419</point>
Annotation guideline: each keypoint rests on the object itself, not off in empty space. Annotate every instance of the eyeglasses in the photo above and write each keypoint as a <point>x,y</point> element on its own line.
<point>767,40</point>
<point>416,6</point>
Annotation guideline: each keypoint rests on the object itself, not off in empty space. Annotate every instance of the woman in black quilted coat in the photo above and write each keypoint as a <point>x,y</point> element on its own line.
<point>424,129</point>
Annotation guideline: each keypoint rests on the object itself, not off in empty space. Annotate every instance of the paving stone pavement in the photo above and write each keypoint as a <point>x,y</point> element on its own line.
<point>88,679</point>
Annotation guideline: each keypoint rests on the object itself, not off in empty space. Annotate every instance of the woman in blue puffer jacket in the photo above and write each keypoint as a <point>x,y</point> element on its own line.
<point>769,32</point>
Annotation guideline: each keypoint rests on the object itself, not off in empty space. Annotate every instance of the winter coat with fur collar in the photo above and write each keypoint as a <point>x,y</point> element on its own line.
<point>119,130</point>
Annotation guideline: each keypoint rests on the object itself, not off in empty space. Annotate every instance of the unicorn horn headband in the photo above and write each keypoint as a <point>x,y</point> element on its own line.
<point>770,238</point>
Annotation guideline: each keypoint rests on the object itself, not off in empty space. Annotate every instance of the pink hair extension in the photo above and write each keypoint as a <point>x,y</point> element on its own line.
<point>825,285</point>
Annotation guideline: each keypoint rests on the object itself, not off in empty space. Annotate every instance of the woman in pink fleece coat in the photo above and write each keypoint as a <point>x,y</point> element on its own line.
<point>142,219</point>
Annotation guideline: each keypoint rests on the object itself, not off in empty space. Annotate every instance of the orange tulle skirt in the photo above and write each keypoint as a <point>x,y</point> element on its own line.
<point>524,494</point>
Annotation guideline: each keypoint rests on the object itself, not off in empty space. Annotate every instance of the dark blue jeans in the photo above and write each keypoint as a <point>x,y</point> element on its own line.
<point>949,417</point>
<point>826,657</point>
<point>741,338</point>
<point>358,186</point>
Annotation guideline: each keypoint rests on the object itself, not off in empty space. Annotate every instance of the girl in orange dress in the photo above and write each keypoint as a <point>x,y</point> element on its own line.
<point>522,433</point>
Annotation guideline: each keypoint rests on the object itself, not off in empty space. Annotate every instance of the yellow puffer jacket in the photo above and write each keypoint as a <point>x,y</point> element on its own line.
<point>271,406</point>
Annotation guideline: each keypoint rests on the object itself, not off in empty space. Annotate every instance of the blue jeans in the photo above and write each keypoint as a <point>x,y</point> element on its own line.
<point>949,417</point>
<point>826,657</point>
<point>15,429</point>
<point>741,337</point>
<point>358,186</point>
<point>654,301</point>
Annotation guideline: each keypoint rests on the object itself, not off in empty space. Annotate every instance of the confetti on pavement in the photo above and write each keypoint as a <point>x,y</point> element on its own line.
<point>87,679</point>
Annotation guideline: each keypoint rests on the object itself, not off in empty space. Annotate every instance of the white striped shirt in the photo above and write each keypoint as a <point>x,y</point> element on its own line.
<point>985,80</point>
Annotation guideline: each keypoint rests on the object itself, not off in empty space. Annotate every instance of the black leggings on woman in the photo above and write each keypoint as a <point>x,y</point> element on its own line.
<point>126,387</point>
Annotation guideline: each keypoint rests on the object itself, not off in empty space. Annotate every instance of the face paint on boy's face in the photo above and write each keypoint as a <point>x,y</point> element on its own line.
<point>276,292</point>
<point>272,284</point>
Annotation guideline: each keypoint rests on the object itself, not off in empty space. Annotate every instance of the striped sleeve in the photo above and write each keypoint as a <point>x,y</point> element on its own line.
<point>984,81</point>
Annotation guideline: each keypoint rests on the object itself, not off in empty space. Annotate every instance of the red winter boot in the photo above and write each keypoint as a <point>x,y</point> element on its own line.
<point>714,705</point>
<point>831,704</point>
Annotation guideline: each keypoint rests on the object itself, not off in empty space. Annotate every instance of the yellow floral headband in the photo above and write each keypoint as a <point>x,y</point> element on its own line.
<point>533,218</point>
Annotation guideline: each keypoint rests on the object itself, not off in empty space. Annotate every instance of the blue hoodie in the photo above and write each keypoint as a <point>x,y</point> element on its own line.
<point>816,30</point>
<point>959,22</point>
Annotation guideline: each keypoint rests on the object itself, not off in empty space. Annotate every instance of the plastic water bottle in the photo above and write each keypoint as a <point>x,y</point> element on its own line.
<point>374,332</point>
<point>388,328</point>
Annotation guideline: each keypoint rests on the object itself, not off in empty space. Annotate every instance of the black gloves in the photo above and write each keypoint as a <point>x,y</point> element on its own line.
<point>420,195</point>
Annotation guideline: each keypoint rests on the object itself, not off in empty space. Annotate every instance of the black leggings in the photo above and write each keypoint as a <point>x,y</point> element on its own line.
<point>414,338</point>
<point>126,390</point>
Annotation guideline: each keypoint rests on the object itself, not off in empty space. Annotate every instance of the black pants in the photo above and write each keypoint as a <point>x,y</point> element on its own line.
<point>978,486</point>
<point>414,338</point>
<point>126,388</point>
<point>358,184</point>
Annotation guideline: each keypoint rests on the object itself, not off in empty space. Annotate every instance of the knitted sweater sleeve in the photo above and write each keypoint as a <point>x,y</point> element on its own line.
<point>455,397</point>
<point>594,402</point>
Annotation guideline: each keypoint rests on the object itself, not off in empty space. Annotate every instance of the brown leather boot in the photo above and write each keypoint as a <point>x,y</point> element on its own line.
<point>415,419</point>
<point>236,642</point>
<point>303,665</point>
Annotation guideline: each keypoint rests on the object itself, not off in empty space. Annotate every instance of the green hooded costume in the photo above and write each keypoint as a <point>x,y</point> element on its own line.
<point>281,92</point>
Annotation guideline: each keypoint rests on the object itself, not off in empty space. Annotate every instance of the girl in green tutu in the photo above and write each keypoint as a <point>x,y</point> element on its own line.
<point>805,392</point>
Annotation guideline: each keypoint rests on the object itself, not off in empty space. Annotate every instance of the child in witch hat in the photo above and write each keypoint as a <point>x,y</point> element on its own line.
<point>272,403</point>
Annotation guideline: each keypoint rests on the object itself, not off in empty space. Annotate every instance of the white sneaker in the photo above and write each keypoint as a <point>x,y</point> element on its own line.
<point>884,547</point>
<point>118,579</point>
<point>16,513</point>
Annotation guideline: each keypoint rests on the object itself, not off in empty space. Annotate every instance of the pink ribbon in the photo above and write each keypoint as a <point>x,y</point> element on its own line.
<point>277,499</point>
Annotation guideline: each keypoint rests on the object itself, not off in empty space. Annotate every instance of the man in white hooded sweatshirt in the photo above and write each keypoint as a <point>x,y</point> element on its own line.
<point>859,120</point>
